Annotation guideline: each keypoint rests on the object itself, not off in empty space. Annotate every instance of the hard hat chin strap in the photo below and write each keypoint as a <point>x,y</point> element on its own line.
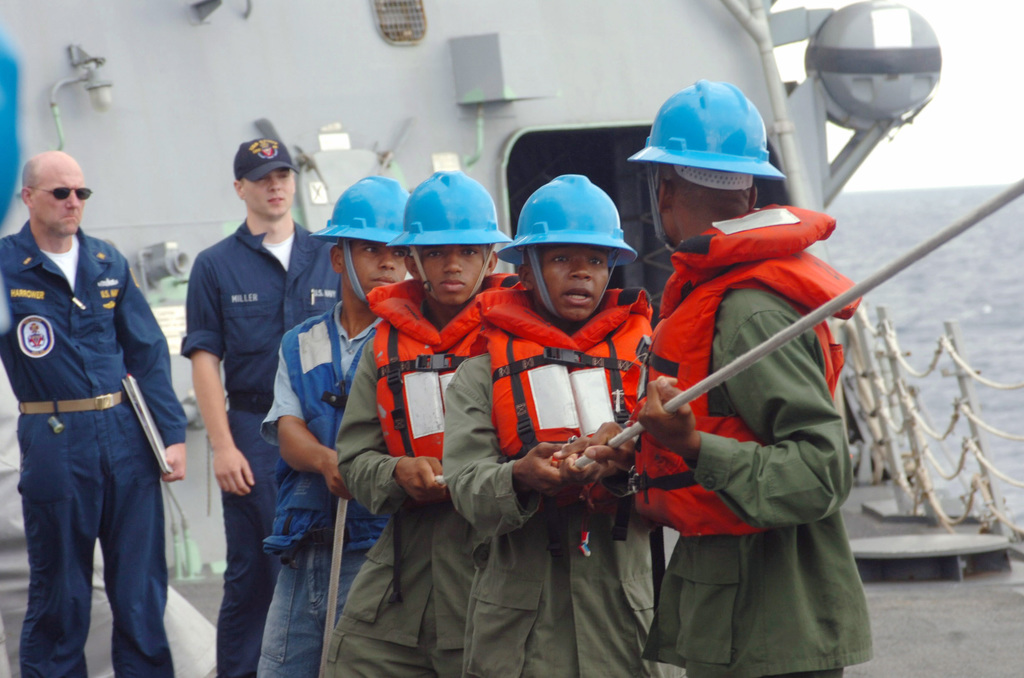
<point>415,251</point>
<point>653,183</point>
<point>483,270</point>
<point>538,280</point>
<point>350,270</point>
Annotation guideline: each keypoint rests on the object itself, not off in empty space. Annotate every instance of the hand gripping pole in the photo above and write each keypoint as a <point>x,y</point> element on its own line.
<point>826,310</point>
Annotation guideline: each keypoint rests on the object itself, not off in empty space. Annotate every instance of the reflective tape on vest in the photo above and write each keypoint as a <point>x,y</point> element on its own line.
<point>423,397</point>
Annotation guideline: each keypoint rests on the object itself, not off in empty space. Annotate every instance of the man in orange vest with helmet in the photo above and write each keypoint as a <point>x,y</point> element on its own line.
<point>753,474</point>
<point>565,587</point>
<point>406,610</point>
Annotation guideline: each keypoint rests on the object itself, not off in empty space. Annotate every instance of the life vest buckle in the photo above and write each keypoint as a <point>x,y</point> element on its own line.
<point>393,374</point>
<point>562,356</point>
<point>434,362</point>
<point>637,481</point>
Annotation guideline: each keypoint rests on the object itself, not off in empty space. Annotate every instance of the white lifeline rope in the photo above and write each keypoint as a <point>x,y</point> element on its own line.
<point>973,373</point>
<point>332,588</point>
<point>826,310</point>
<point>888,333</point>
<point>981,423</point>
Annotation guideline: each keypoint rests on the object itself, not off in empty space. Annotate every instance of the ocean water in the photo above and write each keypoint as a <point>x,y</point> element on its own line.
<point>976,279</point>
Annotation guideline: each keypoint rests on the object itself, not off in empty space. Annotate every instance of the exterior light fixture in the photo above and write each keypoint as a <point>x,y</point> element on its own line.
<point>88,73</point>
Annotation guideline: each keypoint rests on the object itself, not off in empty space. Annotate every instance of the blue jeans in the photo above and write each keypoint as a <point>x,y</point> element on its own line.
<point>294,636</point>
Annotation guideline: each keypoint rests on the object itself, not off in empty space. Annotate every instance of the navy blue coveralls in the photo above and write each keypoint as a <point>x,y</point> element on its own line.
<point>240,303</point>
<point>98,478</point>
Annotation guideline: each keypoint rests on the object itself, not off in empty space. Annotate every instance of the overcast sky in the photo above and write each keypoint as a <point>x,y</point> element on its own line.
<point>972,132</point>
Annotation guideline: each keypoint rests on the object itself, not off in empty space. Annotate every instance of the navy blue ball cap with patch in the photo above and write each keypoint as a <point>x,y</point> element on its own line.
<point>256,158</point>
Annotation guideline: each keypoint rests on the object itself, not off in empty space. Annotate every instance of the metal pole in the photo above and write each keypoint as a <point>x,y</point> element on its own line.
<point>755,21</point>
<point>827,309</point>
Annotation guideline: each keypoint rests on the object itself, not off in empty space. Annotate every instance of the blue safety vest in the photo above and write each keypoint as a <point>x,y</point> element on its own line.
<point>304,503</point>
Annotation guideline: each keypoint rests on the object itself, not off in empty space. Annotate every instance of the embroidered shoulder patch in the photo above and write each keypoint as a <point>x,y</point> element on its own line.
<point>35,336</point>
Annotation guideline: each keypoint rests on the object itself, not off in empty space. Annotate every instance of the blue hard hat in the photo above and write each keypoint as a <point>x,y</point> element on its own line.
<point>710,125</point>
<point>370,209</point>
<point>569,210</point>
<point>450,208</point>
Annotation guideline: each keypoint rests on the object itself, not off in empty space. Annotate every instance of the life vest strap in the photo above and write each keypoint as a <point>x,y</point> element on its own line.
<point>552,518</point>
<point>562,356</point>
<point>394,381</point>
<point>623,510</point>
<point>396,569</point>
<point>641,482</point>
<point>524,425</point>
<point>427,362</point>
<point>618,391</point>
<point>663,365</point>
<point>657,540</point>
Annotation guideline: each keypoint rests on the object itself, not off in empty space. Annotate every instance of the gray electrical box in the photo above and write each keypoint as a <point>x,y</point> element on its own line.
<point>500,67</point>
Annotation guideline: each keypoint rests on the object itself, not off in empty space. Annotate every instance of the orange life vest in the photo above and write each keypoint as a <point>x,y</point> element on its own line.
<point>406,342</point>
<point>761,251</point>
<point>519,340</point>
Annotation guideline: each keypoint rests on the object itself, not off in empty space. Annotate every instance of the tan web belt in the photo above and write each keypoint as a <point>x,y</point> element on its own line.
<point>103,402</point>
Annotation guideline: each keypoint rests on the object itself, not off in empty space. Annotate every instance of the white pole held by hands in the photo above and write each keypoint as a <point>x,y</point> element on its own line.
<point>826,310</point>
<point>332,587</point>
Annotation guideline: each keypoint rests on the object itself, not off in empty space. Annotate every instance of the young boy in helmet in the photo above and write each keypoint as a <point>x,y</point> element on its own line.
<point>318,360</point>
<point>566,588</point>
<point>753,474</point>
<point>406,612</point>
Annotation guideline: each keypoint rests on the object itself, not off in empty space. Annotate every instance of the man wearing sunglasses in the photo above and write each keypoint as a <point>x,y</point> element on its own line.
<point>79,325</point>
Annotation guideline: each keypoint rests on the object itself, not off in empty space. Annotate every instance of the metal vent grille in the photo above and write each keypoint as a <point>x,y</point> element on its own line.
<point>401,22</point>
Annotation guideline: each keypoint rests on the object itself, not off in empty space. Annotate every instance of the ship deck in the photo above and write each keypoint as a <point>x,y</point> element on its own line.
<point>971,627</point>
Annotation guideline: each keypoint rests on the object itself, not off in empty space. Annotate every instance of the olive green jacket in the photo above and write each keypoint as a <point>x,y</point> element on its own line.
<point>788,599</point>
<point>532,614</point>
<point>437,543</point>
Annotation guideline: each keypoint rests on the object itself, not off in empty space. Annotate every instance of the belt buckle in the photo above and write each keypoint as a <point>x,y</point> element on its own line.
<point>104,402</point>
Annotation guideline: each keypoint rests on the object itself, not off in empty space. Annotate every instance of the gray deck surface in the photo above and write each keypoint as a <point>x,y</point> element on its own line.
<point>970,629</point>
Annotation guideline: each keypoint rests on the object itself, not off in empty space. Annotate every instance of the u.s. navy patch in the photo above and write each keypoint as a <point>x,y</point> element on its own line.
<point>35,336</point>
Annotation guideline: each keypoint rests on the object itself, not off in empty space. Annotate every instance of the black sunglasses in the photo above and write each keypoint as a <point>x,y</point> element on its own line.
<point>63,192</point>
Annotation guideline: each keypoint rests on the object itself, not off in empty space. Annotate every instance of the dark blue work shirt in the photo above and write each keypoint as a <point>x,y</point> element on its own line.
<point>69,345</point>
<point>241,301</point>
